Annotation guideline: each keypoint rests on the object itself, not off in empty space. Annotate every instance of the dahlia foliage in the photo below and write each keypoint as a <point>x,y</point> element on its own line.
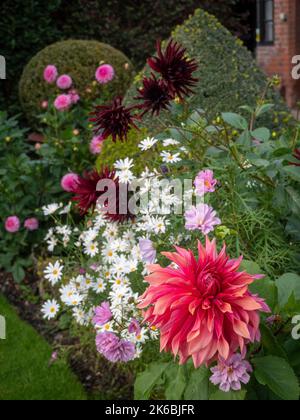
<point>159,270</point>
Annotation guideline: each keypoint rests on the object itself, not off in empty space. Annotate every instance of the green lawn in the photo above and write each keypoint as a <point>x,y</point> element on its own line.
<point>24,369</point>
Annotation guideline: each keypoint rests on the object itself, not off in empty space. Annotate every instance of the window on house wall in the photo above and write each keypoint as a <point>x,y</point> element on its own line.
<point>265,30</point>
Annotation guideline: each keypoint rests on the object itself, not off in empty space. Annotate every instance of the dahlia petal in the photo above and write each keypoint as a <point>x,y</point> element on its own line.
<point>248,303</point>
<point>241,328</point>
<point>223,348</point>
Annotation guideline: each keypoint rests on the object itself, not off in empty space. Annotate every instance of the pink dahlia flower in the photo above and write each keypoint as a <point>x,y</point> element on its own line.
<point>12,224</point>
<point>105,74</point>
<point>74,95</point>
<point>50,74</point>
<point>96,145</point>
<point>69,182</point>
<point>64,82</point>
<point>202,217</point>
<point>31,224</point>
<point>102,314</point>
<point>114,349</point>
<point>231,374</point>
<point>205,182</point>
<point>63,102</point>
<point>203,308</point>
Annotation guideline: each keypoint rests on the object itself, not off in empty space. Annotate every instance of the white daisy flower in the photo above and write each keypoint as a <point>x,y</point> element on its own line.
<point>91,249</point>
<point>170,142</point>
<point>52,243</point>
<point>125,177</point>
<point>124,165</point>
<point>168,157</point>
<point>75,300</point>
<point>147,144</point>
<point>51,208</point>
<point>99,286</point>
<point>50,309</point>
<point>54,273</point>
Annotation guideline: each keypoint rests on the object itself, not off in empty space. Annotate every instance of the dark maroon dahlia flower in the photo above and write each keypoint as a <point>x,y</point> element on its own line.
<point>155,95</point>
<point>296,155</point>
<point>114,120</point>
<point>88,194</point>
<point>176,69</point>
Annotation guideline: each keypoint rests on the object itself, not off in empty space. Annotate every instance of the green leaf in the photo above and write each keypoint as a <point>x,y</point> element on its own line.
<point>263,134</point>
<point>147,380</point>
<point>288,285</point>
<point>176,385</point>
<point>265,287</point>
<point>235,120</point>
<point>18,272</point>
<point>295,199</point>
<point>270,342</point>
<point>228,396</point>
<point>198,385</point>
<point>278,375</point>
<point>263,109</point>
<point>293,172</point>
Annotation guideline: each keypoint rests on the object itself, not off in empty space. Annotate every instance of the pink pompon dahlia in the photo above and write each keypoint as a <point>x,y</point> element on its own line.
<point>64,82</point>
<point>96,145</point>
<point>203,308</point>
<point>105,74</point>
<point>69,182</point>
<point>63,102</point>
<point>50,74</point>
<point>12,224</point>
<point>31,224</point>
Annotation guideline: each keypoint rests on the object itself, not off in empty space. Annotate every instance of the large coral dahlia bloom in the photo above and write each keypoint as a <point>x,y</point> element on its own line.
<point>203,307</point>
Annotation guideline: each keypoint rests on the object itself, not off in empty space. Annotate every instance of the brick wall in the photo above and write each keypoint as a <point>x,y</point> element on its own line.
<point>277,58</point>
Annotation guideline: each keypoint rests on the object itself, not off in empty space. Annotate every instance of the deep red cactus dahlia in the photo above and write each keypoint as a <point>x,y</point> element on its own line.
<point>114,120</point>
<point>176,69</point>
<point>155,95</point>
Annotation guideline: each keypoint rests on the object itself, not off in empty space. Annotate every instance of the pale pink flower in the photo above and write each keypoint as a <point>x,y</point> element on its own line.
<point>31,224</point>
<point>134,327</point>
<point>63,102</point>
<point>148,252</point>
<point>231,374</point>
<point>64,82</point>
<point>102,314</point>
<point>75,98</point>
<point>12,224</point>
<point>69,182</point>
<point>205,182</point>
<point>44,104</point>
<point>203,218</point>
<point>96,145</point>
<point>114,349</point>
<point>105,74</point>
<point>50,74</point>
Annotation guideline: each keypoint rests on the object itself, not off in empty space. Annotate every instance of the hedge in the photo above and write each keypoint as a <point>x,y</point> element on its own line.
<point>228,75</point>
<point>79,59</point>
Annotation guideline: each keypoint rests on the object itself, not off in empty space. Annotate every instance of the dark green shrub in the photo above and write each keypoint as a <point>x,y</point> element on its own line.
<point>79,59</point>
<point>228,75</point>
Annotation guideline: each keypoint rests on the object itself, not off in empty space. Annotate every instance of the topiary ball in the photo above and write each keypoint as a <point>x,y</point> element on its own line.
<point>80,60</point>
